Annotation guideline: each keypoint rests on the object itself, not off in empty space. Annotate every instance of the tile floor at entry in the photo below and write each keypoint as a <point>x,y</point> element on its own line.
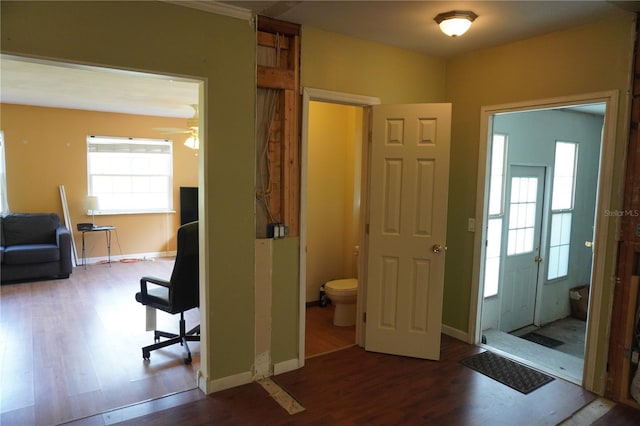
<point>565,361</point>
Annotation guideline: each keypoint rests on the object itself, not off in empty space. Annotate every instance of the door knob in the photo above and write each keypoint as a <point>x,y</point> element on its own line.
<point>437,248</point>
<point>537,259</point>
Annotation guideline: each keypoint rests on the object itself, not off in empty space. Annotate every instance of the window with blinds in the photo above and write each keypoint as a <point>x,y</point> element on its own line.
<point>130,175</point>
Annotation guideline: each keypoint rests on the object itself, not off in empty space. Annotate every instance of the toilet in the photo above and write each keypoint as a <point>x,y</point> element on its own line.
<point>343,295</point>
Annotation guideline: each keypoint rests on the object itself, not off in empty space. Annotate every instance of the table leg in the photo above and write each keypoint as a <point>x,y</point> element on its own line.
<point>108,232</point>
<point>84,259</point>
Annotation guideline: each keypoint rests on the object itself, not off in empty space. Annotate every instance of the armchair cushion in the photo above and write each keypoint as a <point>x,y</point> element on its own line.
<point>27,228</point>
<point>31,253</point>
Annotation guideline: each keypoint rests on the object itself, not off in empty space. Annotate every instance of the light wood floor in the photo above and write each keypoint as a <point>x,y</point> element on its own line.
<point>321,335</point>
<point>72,348</point>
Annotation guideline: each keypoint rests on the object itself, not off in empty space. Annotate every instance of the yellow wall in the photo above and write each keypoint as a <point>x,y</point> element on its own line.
<point>332,211</point>
<point>41,157</point>
<point>586,59</point>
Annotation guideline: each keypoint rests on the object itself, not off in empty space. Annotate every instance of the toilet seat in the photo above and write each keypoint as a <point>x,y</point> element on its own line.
<point>342,287</point>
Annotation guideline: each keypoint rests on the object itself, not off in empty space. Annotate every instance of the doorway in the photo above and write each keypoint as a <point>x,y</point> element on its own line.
<point>309,291</point>
<point>537,250</point>
<point>333,216</point>
<point>107,318</point>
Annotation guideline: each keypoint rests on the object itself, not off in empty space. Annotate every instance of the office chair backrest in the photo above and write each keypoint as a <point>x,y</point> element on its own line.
<point>185,275</point>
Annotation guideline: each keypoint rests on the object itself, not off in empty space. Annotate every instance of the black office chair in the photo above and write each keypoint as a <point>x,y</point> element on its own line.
<point>177,295</point>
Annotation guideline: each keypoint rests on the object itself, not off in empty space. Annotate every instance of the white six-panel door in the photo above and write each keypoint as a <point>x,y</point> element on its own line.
<point>409,176</point>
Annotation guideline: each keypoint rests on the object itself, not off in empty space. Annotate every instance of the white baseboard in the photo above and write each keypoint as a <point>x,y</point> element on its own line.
<point>223,383</point>
<point>285,366</point>
<point>136,256</point>
<point>455,333</point>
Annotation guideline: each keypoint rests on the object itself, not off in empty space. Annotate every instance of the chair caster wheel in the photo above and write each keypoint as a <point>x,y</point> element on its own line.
<point>146,356</point>
<point>187,360</point>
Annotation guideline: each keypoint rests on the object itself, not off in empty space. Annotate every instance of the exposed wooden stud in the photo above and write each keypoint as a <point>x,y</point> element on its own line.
<point>275,78</point>
<point>273,40</point>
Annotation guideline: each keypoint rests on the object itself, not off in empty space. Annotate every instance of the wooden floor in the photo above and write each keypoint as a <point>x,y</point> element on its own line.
<point>71,348</point>
<point>321,335</point>
<point>355,387</point>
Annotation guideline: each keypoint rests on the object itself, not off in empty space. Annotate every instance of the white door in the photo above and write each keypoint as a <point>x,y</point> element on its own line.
<point>409,178</point>
<point>525,189</point>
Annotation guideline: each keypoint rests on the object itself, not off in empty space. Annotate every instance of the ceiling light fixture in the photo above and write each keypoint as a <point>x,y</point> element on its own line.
<point>455,22</point>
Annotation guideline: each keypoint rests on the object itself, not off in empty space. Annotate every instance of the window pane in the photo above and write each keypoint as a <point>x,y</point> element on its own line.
<point>497,174</point>
<point>130,175</point>
<point>559,244</point>
<point>564,176</point>
<point>522,211</point>
<point>491,276</point>
<point>492,259</point>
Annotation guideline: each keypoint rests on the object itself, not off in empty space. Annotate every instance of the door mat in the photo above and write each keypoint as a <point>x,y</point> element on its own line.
<point>510,373</point>
<point>549,342</point>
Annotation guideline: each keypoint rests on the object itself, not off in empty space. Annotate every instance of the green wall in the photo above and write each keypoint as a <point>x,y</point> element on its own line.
<point>164,38</point>
<point>582,60</point>
<point>340,63</point>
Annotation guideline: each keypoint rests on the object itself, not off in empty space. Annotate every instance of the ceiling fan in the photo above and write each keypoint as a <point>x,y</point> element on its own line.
<point>191,128</point>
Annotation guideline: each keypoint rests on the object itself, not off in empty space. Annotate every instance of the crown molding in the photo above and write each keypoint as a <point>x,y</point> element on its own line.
<point>217,7</point>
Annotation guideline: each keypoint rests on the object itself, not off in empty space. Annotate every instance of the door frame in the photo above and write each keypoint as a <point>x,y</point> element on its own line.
<point>597,312</point>
<point>311,94</point>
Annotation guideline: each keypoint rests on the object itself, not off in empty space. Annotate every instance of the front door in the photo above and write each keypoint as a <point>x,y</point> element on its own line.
<point>525,190</point>
<point>409,176</point>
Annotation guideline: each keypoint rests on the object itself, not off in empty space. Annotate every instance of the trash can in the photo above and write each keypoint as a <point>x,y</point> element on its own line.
<point>579,298</point>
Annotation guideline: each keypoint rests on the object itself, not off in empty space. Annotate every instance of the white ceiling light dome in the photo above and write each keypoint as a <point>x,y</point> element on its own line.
<point>456,22</point>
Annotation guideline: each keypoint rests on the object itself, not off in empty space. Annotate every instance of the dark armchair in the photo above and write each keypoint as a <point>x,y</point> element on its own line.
<point>179,294</point>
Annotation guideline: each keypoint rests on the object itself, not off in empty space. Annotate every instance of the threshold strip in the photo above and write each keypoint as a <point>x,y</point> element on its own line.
<point>282,397</point>
<point>590,413</point>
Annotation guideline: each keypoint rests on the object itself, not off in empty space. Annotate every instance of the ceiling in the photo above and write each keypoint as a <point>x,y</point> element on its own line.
<point>404,24</point>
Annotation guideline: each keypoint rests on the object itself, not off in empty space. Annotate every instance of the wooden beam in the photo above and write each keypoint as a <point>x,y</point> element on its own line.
<point>273,40</point>
<point>275,26</point>
<point>275,78</point>
<point>291,164</point>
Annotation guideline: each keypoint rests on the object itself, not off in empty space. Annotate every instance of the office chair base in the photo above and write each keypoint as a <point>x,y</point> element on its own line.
<point>192,335</point>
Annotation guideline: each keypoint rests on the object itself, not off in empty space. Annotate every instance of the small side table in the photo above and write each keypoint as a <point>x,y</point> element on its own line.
<point>107,231</point>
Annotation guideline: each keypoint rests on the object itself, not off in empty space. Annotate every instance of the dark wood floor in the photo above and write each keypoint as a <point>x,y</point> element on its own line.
<point>355,387</point>
<point>71,348</point>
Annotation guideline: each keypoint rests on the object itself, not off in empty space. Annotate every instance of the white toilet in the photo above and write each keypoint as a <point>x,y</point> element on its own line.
<point>343,295</point>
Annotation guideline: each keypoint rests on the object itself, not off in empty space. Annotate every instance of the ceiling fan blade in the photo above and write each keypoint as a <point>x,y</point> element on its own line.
<point>170,130</point>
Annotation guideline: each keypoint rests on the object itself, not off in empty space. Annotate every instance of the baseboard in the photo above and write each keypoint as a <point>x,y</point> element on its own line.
<point>285,366</point>
<point>140,257</point>
<point>211,386</point>
<point>455,333</point>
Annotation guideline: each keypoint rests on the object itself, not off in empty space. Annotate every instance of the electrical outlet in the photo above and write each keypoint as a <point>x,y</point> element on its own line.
<point>471,225</point>
<point>634,356</point>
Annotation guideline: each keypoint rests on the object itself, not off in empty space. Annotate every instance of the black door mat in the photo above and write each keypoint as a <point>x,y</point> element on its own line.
<point>549,342</point>
<point>515,375</point>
